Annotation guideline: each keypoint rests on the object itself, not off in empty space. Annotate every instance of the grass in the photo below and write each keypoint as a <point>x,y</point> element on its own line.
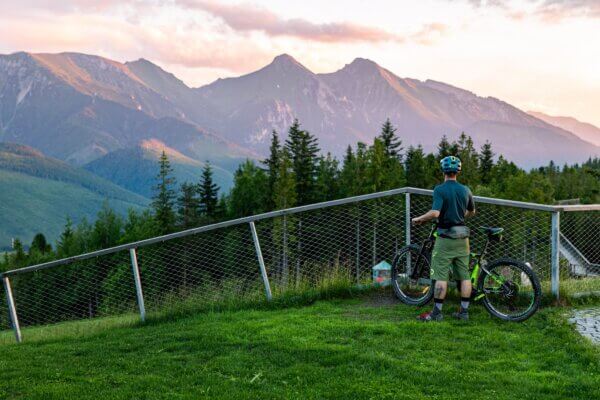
<point>360,348</point>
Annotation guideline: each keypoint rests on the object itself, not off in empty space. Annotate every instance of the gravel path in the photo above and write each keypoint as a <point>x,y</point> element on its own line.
<point>587,322</point>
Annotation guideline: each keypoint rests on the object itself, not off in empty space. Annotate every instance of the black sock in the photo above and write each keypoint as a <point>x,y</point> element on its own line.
<point>437,305</point>
<point>464,303</point>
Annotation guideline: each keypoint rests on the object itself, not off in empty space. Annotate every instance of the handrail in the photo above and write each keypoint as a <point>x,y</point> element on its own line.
<point>290,211</point>
<point>563,239</point>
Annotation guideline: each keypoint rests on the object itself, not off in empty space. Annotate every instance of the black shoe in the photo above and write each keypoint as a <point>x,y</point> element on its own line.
<point>430,316</point>
<point>461,314</point>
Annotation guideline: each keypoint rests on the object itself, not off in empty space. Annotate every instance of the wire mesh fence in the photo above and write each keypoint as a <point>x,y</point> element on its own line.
<point>90,288</point>
<point>332,245</point>
<point>526,235</point>
<point>580,252</point>
<point>306,248</point>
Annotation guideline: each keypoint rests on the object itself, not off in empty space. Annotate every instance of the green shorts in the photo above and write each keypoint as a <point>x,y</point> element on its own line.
<point>450,253</point>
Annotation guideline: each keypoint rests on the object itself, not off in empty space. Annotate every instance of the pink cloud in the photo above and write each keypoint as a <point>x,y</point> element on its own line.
<point>547,10</point>
<point>122,40</point>
<point>251,18</point>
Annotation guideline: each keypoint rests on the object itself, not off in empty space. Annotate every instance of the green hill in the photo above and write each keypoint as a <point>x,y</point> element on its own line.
<point>135,168</point>
<point>39,192</point>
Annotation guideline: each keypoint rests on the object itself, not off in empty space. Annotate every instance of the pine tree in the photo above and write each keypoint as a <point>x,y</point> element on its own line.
<point>249,194</point>
<point>303,149</point>
<point>445,149</point>
<point>188,211</point>
<point>163,200</point>
<point>209,192</point>
<point>285,187</point>
<point>361,185</point>
<point>19,258</point>
<point>376,167</point>
<point>327,178</point>
<point>40,244</point>
<point>486,163</point>
<point>66,245</point>
<point>470,160</point>
<point>347,174</point>
<point>272,164</point>
<point>391,142</point>
<point>417,173</point>
<point>108,228</point>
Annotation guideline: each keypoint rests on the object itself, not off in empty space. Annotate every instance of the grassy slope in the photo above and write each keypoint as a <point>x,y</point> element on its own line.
<point>30,204</point>
<point>346,349</point>
<point>135,170</point>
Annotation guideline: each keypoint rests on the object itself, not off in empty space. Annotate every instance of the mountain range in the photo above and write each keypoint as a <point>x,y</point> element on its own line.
<point>112,120</point>
<point>584,130</point>
<point>79,107</point>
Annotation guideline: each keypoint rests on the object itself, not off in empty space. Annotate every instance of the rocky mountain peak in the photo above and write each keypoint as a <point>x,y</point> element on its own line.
<point>286,63</point>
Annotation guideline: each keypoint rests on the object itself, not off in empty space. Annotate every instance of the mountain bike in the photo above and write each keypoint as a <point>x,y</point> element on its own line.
<point>509,289</point>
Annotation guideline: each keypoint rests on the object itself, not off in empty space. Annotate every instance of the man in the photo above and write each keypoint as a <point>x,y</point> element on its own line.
<point>452,202</point>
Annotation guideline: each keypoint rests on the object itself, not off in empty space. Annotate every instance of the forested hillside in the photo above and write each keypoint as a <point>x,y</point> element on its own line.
<point>38,193</point>
<point>296,173</point>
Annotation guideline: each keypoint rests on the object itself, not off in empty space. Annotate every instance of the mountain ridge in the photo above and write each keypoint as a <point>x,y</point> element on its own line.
<point>237,114</point>
<point>585,130</point>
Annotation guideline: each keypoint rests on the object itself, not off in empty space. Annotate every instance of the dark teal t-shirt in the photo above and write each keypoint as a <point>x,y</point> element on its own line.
<point>452,200</point>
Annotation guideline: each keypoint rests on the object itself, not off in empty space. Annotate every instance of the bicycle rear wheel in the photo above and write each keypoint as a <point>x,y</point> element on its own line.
<point>410,276</point>
<point>512,291</point>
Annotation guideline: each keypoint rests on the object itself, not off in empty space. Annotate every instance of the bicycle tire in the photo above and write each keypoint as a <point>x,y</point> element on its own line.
<point>400,294</point>
<point>535,283</point>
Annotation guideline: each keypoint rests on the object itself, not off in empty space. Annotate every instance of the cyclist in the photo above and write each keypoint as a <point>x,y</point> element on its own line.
<point>452,202</point>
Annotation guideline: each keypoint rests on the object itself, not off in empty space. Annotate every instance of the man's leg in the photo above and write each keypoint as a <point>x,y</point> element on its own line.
<point>461,271</point>
<point>440,268</point>
<point>439,295</point>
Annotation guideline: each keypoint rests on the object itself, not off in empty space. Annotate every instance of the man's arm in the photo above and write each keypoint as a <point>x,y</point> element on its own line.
<point>428,216</point>
<point>470,206</point>
<point>435,209</point>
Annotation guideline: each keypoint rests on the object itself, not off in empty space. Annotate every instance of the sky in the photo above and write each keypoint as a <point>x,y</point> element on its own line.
<point>541,55</point>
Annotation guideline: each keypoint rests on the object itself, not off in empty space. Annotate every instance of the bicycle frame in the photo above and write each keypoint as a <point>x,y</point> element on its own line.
<point>476,263</point>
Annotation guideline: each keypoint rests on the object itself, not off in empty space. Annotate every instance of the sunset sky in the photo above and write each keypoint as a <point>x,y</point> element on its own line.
<point>536,54</point>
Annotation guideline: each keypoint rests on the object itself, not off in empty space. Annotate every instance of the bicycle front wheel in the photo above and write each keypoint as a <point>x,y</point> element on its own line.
<point>512,291</point>
<point>410,276</point>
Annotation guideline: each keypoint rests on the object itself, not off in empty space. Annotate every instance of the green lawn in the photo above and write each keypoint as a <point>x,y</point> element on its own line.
<point>340,349</point>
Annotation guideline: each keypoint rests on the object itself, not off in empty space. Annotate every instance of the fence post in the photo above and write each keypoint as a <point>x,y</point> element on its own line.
<point>358,245</point>
<point>407,217</point>
<point>407,227</point>
<point>12,311</point>
<point>555,242</point>
<point>138,283</point>
<point>261,261</point>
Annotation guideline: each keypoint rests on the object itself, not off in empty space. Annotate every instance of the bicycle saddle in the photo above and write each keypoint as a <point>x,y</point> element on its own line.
<point>491,231</point>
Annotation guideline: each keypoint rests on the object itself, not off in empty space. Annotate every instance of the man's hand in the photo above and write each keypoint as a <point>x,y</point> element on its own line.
<point>417,221</point>
<point>428,216</point>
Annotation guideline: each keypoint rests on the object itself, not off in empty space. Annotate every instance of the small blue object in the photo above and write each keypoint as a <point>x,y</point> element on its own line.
<point>382,274</point>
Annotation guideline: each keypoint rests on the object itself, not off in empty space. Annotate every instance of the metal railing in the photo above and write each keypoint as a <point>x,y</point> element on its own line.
<point>262,256</point>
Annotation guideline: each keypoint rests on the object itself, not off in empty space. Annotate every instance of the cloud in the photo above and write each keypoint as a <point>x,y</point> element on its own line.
<point>251,18</point>
<point>429,33</point>
<point>196,46</point>
<point>547,10</point>
<point>556,10</point>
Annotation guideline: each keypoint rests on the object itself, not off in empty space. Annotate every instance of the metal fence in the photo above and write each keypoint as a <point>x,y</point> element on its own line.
<point>303,248</point>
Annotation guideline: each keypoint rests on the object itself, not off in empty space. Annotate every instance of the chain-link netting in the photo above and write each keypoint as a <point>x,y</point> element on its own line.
<point>204,269</point>
<point>90,288</point>
<point>579,250</point>
<point>4,319</point>
<point>317,248</point>
<point>329,246</point>
<point>526,235</point>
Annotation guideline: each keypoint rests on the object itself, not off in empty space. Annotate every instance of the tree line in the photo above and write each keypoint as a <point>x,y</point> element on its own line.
<point>296,173</point>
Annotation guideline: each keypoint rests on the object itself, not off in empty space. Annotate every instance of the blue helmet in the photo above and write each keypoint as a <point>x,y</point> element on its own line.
<point>451,164</point>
